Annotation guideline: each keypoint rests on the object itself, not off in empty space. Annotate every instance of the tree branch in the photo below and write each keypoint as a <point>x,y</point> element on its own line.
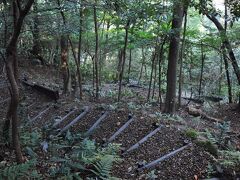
<point>19,5</point>
<point>27,8</point>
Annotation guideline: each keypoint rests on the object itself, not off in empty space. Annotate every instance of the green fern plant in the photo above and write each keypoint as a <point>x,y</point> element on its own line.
<point>229,158</point>
<point>151,175</point>
<point>83,158</point>
<point>20,171</point>
<point>102,168</point>
<point>31,139</point>
<point>223,130</point>
<point>219,137</point>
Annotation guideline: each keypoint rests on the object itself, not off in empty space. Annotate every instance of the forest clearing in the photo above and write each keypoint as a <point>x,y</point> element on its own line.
<point>119,89</point>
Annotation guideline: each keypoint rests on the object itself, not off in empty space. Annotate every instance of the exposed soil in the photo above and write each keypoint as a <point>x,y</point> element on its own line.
<point>139,128</point>
<point>84,124</point>
<point>70,118</point>
<point>110,125</point>
<point>163,142</point>
<point>230,112</point>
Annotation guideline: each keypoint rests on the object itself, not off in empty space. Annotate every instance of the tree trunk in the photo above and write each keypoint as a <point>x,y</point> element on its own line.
<point>101,53</point>
<point>143,62</point>
<point>172,57</point>
<point>227,75</point>
<point>224,56</point>
<point>227,45</point>
<point>220,78</point>
<point>123,60</point>
<point>96,52</point>
<point>64,64</point>
<point>201,73</point>
<point>93,73</point>
<point>129,64</point>
<point>14,105</point>
<point>79,52</point>
<point>190,77</point>
<point>155,76</point>
<point>151,76</point>
<point>12,72</point>
<point>120,56</point>
<point>36,49</point>
<point>79,74</point>
<point>75,59</point>
<point>160,65</point>
<point>181,60</point>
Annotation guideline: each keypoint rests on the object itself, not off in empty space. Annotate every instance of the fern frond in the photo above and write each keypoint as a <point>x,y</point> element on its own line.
<point>19,171</point>
<point>103,167</point>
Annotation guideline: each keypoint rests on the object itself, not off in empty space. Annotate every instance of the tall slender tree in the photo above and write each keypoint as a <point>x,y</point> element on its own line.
<point>19,13</point>
<point>181,77</point>
<point>177,19</point>
<point>96,63</point>
<point>123,60</point>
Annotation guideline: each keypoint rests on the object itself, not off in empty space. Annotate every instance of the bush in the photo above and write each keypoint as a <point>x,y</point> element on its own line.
<point>191,133</point>
<point>209,147</point>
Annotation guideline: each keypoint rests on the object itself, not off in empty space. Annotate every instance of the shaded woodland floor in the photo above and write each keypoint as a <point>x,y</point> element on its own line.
<point>192,162</point>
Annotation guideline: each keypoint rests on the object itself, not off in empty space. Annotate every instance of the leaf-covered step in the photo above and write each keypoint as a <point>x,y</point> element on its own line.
<point>70,118</point>
<point>164,141</point>
<point>75,121</point>
<point>56,113</point>
<point>96,124</point>
<point>40,114</point>
<point>190,162</point>
<point>121,129</point>
<point>86,123</point>
<point>162,158</point>
<point>140,127</point>
<point>61,119</point>
<point>110,125</point>
<point>143,140</point>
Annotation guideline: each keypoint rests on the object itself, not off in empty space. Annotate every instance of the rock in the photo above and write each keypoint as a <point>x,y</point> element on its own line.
<point>185,142</point>
<point>36,62</point>
<point>3,162</point>
<point>130,169</point>
<point>57,118</point>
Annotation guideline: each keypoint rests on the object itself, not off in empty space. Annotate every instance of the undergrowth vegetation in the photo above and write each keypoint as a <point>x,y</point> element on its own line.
<point>64,157</point>
<point>219,144</point>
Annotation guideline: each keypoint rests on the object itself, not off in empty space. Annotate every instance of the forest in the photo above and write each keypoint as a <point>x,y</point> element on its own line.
<point>120,89</point>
